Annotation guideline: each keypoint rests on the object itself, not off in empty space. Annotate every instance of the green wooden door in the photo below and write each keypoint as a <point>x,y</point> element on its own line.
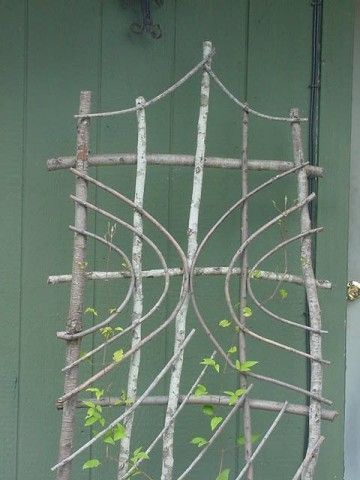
<point>52,50</point>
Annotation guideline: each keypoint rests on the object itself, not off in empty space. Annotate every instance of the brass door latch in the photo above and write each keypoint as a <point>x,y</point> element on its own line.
<point>353,290</point>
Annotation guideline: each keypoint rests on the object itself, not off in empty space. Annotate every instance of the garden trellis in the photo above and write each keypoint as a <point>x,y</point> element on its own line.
<point>176,401</point>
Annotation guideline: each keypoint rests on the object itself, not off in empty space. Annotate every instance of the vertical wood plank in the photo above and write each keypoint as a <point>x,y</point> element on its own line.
<point>12,106</point>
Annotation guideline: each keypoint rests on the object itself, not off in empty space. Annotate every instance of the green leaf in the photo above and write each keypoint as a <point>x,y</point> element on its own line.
<point>106,332</point>
<point>118,355</point>
<point>232,349</point>
<point>211,362</point>
<point>139,455</point>
<point>112,310</point>
<point>283,293</point>
<point>224,475</point>
<point>240,391</point>
<point>91,310</point>
<point>256,274</point>
<point>215,421</point>
<point>247,312</point>
<point>97,391</point>
<point>90,421</point>
<point>246,366</point>
<point>93,463</point>
<point>208,410</point>
<point>200,390</point>
<point>89,404</point>
<point>119,432</point>
<point>118,329</point>
<point>199,441</point>
<point>224,323</point>
<point>108,438</point>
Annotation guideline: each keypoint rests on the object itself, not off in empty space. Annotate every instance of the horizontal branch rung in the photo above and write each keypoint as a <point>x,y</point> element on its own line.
<point>180,160</point>
<point>199,271</point>
<point>220,400</point>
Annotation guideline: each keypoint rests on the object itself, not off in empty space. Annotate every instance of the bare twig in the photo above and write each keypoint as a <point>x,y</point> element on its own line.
<point>138,402</point>
<point>254,268</point>
<point>308,458</point>
<point>235,408</point>
<point>262,443</point>
<point>243,291</point>
<point>172,159</point>
<point>218,400</point>
<point>184,399</point>
<point>169,90</point>
<point>227,282</point>
<point>198,271</point>
<point>119,309</point>
<point>244,106</point>
<point>65,335</point>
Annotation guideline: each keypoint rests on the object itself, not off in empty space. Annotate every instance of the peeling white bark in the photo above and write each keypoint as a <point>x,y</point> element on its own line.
<point>180,328</point>
<point>134,367</point>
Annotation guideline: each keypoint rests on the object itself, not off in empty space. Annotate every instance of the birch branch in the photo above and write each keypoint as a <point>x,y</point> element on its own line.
<point>312,301</point>
<point>74,323</point>
<point>180,327</point>
<point>244,106</point>
<point>166,92</point>
<point>243,291</point>
<point>134,367</point>
<point>198,271</point>
<point>125,414</point>
<point>184,400</point>
<point>172,159</point>
<point>309,456</point>
<point>218,400</point>
<point>196,460</point>
<point>262,443</point>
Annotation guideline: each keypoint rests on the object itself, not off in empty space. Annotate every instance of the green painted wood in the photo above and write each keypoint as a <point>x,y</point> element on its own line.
<point>62,60</point>
<point>279,36</point>
<point>335,128</point>
<point>12,85</point>
<point>262,54</point>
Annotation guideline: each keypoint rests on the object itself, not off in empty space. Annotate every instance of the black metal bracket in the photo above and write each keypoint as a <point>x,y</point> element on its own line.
<point>147,24</point>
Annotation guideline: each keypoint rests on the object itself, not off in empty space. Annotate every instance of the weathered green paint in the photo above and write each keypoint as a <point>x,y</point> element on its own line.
<point>50,51</point>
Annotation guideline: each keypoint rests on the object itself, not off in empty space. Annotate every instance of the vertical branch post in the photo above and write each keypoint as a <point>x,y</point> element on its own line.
<point>243,291</point>
<point>74,322</point>
<point>180,327</point>
<point>312,301</point>
<point>134,367</point>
